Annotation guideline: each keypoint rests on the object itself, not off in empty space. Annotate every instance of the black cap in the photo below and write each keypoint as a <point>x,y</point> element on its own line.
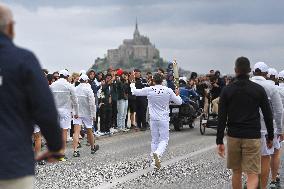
<point>217,72</point>
<point>193,75</point>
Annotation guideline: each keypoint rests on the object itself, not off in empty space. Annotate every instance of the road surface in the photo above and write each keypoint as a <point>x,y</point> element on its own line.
<point>123,162</point>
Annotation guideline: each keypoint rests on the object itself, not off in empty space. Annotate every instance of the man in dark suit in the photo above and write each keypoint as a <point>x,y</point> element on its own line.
<point>25,100</point>
<point>141,101</point>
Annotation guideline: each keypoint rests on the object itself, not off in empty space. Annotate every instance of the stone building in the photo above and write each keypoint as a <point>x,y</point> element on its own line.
<point>139,48</point>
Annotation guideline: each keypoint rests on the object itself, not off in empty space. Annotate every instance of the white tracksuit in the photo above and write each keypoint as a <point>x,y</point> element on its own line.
<point>281,92</point>
<point>159,98</point>
<point>65,100</point>
<point>87,105</point>
<point>277,110</point>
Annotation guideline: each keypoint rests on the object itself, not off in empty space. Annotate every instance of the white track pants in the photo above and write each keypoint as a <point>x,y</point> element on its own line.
<point>160,136</point>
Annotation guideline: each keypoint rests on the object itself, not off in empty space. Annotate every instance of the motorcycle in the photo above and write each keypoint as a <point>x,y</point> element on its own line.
<point>184,114</point>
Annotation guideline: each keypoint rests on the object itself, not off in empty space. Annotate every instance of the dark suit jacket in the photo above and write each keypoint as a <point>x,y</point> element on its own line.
<point>25,100</point>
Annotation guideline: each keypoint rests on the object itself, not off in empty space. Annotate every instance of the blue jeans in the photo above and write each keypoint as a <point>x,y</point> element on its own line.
<point>122,106</point>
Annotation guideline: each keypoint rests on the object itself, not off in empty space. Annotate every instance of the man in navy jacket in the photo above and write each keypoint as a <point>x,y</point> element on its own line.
<point>25,100</point>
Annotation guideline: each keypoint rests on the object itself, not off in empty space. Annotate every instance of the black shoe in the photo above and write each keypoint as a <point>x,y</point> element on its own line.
<point>76,154</point>
<point>41,162</point>
<point>96,148</point>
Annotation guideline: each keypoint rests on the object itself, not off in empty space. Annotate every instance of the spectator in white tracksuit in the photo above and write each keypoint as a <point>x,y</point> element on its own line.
<point>281,85</point>
<point>159,98</point>
<point>86,112</point>
<point>281,92</point>
<point>272,77</point>
<point>65,100</point>
<point>260,74</point>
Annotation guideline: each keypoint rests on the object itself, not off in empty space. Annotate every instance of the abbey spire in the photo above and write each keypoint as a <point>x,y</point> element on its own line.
<point>136,32</point>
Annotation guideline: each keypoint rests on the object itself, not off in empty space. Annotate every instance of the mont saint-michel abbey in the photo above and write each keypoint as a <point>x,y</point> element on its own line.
<point>139,48</point>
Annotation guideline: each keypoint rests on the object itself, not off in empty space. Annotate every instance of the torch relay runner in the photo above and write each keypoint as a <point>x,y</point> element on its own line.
<point>159,98</point>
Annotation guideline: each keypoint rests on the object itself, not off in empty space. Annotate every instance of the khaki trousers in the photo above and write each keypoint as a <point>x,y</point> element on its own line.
<point>19,183</point>
<point>215,105</point>
<point>205,109</point>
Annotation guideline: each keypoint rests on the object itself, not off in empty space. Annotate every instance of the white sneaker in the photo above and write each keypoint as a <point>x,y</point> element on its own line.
<point>113,130</point>
<point>100,133</point>
<point>157,160</point>
<point>69,139</point>
<point>152,161</point>
<point>97,134</point>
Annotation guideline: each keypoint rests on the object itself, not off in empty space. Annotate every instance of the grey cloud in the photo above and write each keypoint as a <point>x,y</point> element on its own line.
<point>177,12</point>
<point>243,36</point>
<point>200,34</point>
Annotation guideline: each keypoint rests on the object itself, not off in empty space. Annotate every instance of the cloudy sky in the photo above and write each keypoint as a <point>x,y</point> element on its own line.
<point>200,34</point>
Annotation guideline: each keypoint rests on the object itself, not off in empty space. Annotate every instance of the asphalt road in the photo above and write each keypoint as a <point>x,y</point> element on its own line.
<point>123,162</point>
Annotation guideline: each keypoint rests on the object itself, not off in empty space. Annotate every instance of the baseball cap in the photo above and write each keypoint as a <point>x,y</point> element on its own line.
<point>119,72</point>
<point>183,78</point>
<point>65,73</point>
<point>83,77</point>
<point>261,66</point>
<point>272,71</point>
<point>281,74</point>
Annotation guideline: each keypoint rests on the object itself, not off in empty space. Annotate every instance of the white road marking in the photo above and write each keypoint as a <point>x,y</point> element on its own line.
<point>139,173</point>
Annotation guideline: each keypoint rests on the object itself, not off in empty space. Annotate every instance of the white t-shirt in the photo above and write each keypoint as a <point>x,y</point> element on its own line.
<point>159,98</point>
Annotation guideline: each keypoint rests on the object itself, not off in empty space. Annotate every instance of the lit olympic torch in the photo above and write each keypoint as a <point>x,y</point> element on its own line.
<point>176,75</point>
